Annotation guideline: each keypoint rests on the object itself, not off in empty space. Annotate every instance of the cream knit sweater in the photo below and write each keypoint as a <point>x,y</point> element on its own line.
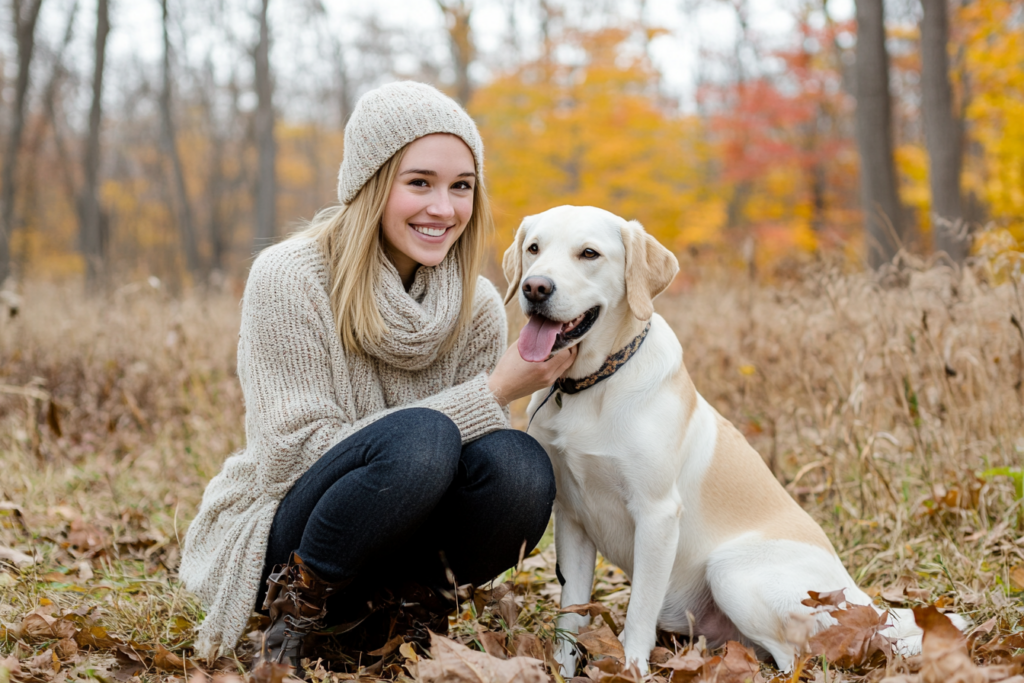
<point>304,394</point>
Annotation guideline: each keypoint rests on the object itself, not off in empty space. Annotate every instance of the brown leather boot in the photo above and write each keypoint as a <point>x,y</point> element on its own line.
<point>296,600</point>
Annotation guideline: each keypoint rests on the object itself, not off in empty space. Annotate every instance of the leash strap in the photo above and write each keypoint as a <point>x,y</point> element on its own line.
<point>610,366</point>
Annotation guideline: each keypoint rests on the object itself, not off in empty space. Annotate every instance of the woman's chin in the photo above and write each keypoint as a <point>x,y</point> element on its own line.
<point>431,257</point>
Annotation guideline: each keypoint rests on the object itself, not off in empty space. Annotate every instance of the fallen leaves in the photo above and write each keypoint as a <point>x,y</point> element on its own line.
<point>454,663</point>
<point>601,642</point>
<point>856,640</point>
<point>946,653</point>
<point>738,664</point>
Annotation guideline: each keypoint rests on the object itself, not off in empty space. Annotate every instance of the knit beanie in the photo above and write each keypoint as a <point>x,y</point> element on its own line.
<point>392,116</point>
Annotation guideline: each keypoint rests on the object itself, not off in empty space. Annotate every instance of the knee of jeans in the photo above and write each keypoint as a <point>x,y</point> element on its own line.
<point>522,465</point>
<point>428,445</point>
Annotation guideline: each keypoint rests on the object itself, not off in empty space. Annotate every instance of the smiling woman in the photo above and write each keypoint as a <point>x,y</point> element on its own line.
<point>430,203</point>
<point>379,466</point>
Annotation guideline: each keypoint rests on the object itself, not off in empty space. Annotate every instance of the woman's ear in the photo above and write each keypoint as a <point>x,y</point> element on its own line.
<point>650,268</point>
<point>512,261</point>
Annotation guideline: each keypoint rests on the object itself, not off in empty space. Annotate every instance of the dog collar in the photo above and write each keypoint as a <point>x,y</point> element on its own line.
<point>610,366</point>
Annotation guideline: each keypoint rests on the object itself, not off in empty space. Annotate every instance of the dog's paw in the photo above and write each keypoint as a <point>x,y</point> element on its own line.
<point>639,661</point>
<point>637,656</point>
<point>567,658</point>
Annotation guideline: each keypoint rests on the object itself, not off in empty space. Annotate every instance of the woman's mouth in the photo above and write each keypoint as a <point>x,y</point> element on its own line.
<point>429,230</point>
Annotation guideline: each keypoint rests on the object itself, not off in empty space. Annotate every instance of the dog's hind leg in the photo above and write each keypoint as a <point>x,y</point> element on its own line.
<point>760,583</point>
<point>576,555</point>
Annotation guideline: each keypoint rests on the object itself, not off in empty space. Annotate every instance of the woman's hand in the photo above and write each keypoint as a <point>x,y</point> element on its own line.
<point>514,377</point>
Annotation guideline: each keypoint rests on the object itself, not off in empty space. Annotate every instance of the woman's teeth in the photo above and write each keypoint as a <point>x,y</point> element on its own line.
<point>432,232</point>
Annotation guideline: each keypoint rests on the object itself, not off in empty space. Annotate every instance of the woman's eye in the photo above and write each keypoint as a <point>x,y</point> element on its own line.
<point>418,182</point>
<point>533,249</point>
<point>462,185</point>
<point>590,254</point>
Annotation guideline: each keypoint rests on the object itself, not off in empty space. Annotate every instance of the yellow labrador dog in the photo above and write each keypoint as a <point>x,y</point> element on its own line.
<point>647,471</point>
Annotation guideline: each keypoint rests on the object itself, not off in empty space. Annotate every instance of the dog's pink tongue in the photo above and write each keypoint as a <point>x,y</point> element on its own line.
<point>538,338</point>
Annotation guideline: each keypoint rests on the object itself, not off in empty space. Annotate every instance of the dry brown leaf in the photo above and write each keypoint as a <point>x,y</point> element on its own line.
<point>16,557</point>
<point>66,648</point>
<point>455,663</point>
<point>660,655</point>
<point>528,645</point>
<point>944,657</point>
<point>508,609</point>
<point>686,666</point>
<point>602,641</point>
<point>168,661</point>
<point>607,665</point>
<point>494,644</point>
<point>84,536</point>
<point>409,652</point>
<point>855,641</point>
<point>591,609</point>
<point>45,661</point>
<point>271,672</point>
<point>739,665</point>
<point>95,637</point>
<point>483,597</point>
<point>40,626</point>
<point>388,647</point>
<point>827,601</point>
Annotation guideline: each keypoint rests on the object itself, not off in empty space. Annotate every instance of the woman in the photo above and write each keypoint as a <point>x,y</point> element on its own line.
<point>379,459</point>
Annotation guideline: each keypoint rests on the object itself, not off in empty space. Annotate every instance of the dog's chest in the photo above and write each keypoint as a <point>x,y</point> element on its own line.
<point>590,462</point>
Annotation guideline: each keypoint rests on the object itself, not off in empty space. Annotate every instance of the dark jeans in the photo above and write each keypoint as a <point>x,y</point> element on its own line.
<point>403,500</point>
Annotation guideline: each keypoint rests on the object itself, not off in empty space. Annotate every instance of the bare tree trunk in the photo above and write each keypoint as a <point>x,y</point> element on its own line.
<point>266,186</point>
<point>460,39</point>
<point>942,131</point>
<point>883,215</point>
<point>25,16</point>
<point>57,73</point>
<point>189,242</point>
<point>92,222</point>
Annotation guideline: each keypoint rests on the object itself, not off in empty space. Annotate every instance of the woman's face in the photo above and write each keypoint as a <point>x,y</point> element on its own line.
<point>430,203</point>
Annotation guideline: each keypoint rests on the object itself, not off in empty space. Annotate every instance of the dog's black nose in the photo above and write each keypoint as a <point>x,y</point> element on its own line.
<point>538,288</point>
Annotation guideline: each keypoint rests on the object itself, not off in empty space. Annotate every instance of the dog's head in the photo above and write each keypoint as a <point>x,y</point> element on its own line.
<point>570,264</point>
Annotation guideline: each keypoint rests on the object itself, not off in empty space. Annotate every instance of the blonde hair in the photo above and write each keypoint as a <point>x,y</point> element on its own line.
<point>352,242</point>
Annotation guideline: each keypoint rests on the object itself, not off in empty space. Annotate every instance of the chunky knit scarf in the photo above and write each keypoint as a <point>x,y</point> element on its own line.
<point>421,320</point>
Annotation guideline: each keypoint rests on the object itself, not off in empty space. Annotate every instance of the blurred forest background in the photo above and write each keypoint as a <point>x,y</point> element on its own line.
<point>858,129</point>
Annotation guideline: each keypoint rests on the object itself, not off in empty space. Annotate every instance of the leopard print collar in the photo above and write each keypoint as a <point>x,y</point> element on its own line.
<point>610,366</point>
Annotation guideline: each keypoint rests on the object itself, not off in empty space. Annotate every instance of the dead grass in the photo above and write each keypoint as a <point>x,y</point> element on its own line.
<point>878,407</point>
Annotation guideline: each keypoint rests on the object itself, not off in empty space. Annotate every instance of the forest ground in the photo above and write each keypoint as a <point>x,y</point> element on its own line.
<point>890,408</point>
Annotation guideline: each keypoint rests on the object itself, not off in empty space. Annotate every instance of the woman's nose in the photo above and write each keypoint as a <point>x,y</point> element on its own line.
<point>441,206</point>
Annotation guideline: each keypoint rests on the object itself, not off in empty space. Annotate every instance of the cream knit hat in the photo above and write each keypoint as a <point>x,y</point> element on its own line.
<point>392,116</point>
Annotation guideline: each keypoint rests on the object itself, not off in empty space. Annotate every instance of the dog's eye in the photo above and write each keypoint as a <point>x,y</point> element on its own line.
<point>589,254</point>
<point>533,249</point>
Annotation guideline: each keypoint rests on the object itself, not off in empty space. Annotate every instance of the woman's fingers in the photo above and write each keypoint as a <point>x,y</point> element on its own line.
<point>564,360</point>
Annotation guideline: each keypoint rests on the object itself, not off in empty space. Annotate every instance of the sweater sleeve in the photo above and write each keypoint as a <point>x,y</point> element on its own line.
<point>470,403</point>
<point>284,367</point>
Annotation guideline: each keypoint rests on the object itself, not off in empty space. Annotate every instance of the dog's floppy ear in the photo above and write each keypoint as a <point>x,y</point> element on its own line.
<point>512,261</point>
<point>650,268</point>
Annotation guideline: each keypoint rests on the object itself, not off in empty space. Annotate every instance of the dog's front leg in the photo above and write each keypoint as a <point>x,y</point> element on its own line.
<point>654,551</point>
<point>576,555</point>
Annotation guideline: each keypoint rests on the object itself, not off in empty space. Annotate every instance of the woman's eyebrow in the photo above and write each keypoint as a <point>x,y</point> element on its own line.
<point>423,171</point>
